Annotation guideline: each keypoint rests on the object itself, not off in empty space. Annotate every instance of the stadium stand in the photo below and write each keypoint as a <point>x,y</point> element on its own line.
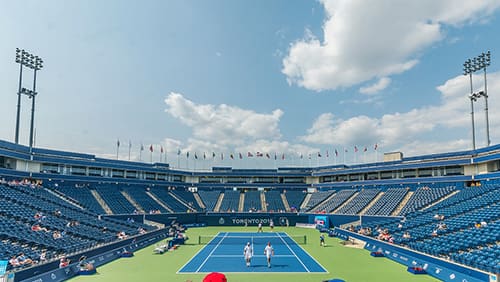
<point>231,201</point>
<point>209,198</point>
<point>317,198</point>
<point>388,202</point>
<point>363,198</point>
<point>252,201</point>
<point>187,197</point>
<point>336,200</point>
<point>274,201</point>
<point>294,198</point>
<point>164,195</point>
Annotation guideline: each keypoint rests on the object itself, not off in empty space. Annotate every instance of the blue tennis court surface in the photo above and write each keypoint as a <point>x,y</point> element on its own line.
<point>224,253</point>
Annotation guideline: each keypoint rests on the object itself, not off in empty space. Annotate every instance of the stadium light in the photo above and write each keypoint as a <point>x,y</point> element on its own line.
<point>35,63</point>
<point>478,63</point>
<point>468,70</point>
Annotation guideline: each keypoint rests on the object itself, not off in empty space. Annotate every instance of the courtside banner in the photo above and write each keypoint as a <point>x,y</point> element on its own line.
<point>3,266</point>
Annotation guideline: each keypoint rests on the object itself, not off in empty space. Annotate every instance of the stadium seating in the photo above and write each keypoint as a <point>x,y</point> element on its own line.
<point>209,198</point>
<point>336,201</point>
<point>388,202</point>
<point>32,216</point>
<point>252,201</point>
<point>359,201</point>
<point>294,198</point>
<point>274,201</point>
<point>231,201</point>
<point>317,198</point>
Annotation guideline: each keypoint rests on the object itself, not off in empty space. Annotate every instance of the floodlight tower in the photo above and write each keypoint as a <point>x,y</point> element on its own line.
<point>481,62</point>
<point>35,63</point>
<point>468,70</point>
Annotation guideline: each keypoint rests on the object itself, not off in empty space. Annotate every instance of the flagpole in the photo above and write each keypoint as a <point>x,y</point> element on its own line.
<point>344,155</point>
<point>117,147</point>
<point>129,148</point>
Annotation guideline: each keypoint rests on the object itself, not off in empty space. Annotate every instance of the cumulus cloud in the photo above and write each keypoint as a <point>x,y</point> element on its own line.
<point>380,85</point>
<point>228,126</point>
<point>411,130</point>
<point>363,41</point>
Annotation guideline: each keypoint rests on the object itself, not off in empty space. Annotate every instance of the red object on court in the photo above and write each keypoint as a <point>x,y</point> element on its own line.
<point>215,277</point>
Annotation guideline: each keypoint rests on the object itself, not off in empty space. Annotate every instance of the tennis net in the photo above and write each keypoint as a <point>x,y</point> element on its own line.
<point>255,240</point>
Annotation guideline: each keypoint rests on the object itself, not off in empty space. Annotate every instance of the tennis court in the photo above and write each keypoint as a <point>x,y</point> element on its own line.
<point>224,253</point>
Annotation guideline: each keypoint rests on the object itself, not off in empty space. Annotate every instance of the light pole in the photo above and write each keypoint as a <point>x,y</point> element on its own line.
<point>468,70</point>
<point>35,63</point>
<point>480,62</point>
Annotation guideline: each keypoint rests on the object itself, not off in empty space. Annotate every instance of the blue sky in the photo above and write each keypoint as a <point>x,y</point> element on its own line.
<point>284,77</point>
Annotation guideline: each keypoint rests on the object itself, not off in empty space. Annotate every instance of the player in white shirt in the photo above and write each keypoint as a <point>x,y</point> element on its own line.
<point>248,253</point>
<point>259,228</point>
<point>271,224</point>
<point>269,251</point>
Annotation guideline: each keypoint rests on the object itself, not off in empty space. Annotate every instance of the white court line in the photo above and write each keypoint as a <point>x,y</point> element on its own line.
<point>199,251</point>
<point>288,246</point>
<point>326,271</point>
<point>210,254</point>
<point>259,256</point>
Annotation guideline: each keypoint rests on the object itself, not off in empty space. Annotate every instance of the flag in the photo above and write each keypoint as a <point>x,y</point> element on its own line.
<point>345,150</point>
<point>336,153</point>
<point>213,155</point>
<point>161,149</point>
<point>195,155</point>
<point>267,155</point>
<point>309,156</point>
<point>129,144</point>
<point>241,156</point>
<point>231,156</point>
<point>283,156</point>
<point>319,155</point>
<point>301,156</point>
<point>178,152</point>
<point>204,156</point>
<point>365,149</point>
<point>259,154</point>
<point>187,155</point>
<point>250,155</point>
<point>375,147</point>
<point>221,156</point>
<point>275,157</point>
<point>327,155</point>
<point>142,147</point>
<point>118,143</point>
<point>151,148</point>
<point>355,149</point>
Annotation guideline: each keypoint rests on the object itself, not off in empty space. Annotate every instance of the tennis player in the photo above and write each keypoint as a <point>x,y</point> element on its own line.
<point>269,251</point>
<point>259,228</point>
<point>248,253</point>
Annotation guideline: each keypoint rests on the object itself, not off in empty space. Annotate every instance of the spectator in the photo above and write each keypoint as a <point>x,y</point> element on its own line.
<point>24,260</point>
<point>63,262</point>
<point>43,257</point>
<point>14,262</point>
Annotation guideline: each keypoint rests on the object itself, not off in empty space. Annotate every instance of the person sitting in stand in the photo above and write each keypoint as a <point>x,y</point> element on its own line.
<point>24,260</point>
<point>84,264</point>
<point>14,262</point>
<point>64,262</point>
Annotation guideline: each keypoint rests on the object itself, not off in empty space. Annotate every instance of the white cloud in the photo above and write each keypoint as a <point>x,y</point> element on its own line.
<point>411,130</point>
<point>227,126</point>
<point>380,85</point>
<point>373,40</point>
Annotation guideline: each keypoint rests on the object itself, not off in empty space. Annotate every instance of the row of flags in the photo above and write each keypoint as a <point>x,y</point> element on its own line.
<point>233,156</point>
